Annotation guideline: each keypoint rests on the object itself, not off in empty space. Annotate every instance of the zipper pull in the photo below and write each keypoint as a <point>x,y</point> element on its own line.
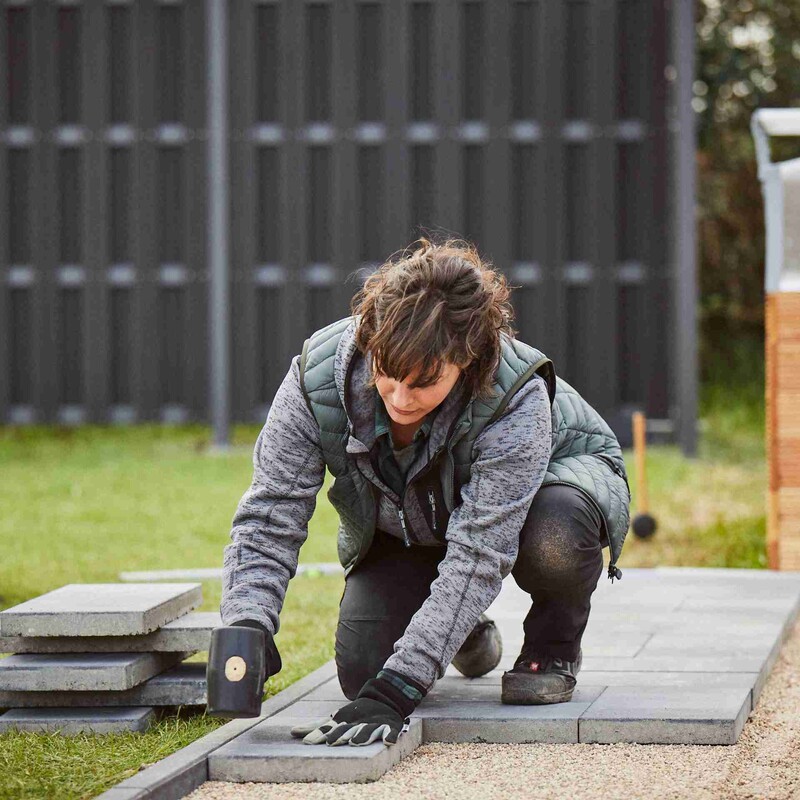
<point>403,523</point>
<point>432,501</point>
<point>614,572</point>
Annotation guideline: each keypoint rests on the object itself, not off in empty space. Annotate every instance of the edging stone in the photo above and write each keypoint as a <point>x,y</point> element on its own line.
<point>182,772</point>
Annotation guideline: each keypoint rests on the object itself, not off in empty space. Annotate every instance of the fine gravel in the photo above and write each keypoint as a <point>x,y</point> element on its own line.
<point>763,765</point>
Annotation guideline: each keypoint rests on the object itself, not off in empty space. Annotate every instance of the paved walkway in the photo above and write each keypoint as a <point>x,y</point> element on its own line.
<point>670,656</point>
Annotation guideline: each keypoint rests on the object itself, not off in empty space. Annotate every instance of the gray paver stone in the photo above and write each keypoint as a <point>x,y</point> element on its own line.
<point>181,685</point>
<point>76,672</point>
<point>101,609</point>
<point>666,715</point>
<point>70,721</point>
<point>190,631</point>
<point>267,753</point>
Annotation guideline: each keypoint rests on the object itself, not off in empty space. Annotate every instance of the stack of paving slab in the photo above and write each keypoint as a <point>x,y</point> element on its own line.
<point>102,657</point>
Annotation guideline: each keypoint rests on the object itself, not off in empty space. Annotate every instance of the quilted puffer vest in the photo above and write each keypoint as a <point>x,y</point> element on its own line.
<point>585,451</point>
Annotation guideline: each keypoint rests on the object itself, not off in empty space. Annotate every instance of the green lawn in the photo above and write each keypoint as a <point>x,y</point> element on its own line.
<point>81,505</point>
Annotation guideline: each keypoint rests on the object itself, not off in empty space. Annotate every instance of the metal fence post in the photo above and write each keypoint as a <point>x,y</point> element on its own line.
<point>218,244</point>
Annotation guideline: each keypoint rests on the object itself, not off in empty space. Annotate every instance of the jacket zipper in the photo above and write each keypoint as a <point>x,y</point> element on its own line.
<point>451,471</point>
<point>432,501</point>
<point>400,512</point>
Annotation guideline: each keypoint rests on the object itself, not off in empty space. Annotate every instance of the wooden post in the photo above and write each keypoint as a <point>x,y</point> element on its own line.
<point>783,429</point>
<point>780,183</point>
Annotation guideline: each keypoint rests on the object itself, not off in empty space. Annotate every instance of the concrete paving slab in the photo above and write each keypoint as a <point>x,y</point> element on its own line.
<point>462,688</point>
<point>626,645</point>
<point>673,644</point>
<point>666,715</point>
<point>190,631</point>
<point>267,753</point>
<point>690,574</point>
<point>490,723</point>
<point>71,721</point>
<point>663,663</point>
<point>101,609</point>
<point>181,685</point>
<point>673,657</point>
<point>78,672</point>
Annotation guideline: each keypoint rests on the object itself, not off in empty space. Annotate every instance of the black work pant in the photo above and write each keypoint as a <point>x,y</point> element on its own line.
<point>559,563</point>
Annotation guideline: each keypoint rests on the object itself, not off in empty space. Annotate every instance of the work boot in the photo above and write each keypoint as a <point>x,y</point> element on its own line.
<point>481,651</point>
<point>535,680</point>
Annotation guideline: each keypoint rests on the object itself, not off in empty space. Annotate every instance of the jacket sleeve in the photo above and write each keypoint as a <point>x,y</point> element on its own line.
<point>271,521</point>
<point>510,459</point>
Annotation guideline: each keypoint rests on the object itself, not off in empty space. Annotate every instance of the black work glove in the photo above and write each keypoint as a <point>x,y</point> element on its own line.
<point>272,658</point>
<point>380,711</point>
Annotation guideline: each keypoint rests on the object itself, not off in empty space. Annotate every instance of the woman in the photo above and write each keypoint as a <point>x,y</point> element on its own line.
<point>458,457</point>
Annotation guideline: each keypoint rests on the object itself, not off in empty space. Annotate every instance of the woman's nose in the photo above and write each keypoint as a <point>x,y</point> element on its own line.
<point>402,399</point>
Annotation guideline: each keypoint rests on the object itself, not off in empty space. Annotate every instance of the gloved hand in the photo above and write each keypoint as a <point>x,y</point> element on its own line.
<point>272,658</point>
<point>380,711</point>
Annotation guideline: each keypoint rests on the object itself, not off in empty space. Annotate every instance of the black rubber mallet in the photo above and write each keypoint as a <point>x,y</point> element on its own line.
<point>235,672</point>
<point>644,525</point>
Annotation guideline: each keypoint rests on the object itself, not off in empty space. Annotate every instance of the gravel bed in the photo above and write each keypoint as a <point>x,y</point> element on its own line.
<point>763,765</point>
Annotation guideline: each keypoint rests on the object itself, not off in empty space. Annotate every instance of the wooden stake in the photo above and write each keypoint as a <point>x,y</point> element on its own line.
<point>640,452</point>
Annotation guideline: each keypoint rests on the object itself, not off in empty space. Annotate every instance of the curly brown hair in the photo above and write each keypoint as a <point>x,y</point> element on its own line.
<point>441,303</point>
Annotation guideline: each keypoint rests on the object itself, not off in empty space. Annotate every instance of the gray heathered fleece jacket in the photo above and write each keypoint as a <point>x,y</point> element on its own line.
<point>271,520</point>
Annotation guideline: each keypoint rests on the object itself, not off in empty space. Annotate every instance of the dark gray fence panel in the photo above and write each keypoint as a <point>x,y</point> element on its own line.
<point>535,129</point>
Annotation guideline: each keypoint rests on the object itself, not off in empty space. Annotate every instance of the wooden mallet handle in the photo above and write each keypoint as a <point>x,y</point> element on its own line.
<point>639,445</point>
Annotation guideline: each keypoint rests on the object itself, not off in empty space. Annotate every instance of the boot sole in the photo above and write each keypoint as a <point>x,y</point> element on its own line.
<point>518,689</point>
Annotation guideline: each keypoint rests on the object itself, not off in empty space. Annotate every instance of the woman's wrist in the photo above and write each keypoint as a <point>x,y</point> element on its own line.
<point>399,692</point>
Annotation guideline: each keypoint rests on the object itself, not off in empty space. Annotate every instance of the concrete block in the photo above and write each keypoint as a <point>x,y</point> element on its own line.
<point>268,754</point>
<point>181,685</point>
<point>77,672</point>
<point>70,721</point>
<point>190,631</point>
<point>666,715</point>
<point>101,609</point>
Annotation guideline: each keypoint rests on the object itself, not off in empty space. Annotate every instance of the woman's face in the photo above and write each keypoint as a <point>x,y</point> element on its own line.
<point>398,397</point>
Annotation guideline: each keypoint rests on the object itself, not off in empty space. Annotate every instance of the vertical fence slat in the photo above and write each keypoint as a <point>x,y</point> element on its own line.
<point>243,29</point>
<point>497,166</point>
<point>96,220</point>
<point>447,217</point>
<point>45,214</point>
<point>601,340</point>
<point>661,286</point>
<point>207,391</point>
<point>295,177</point>
<point>346,253</point>
<point>396,56</point>
<point>147,291</point>
<point>553,46</point>
<point>5,220</point>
